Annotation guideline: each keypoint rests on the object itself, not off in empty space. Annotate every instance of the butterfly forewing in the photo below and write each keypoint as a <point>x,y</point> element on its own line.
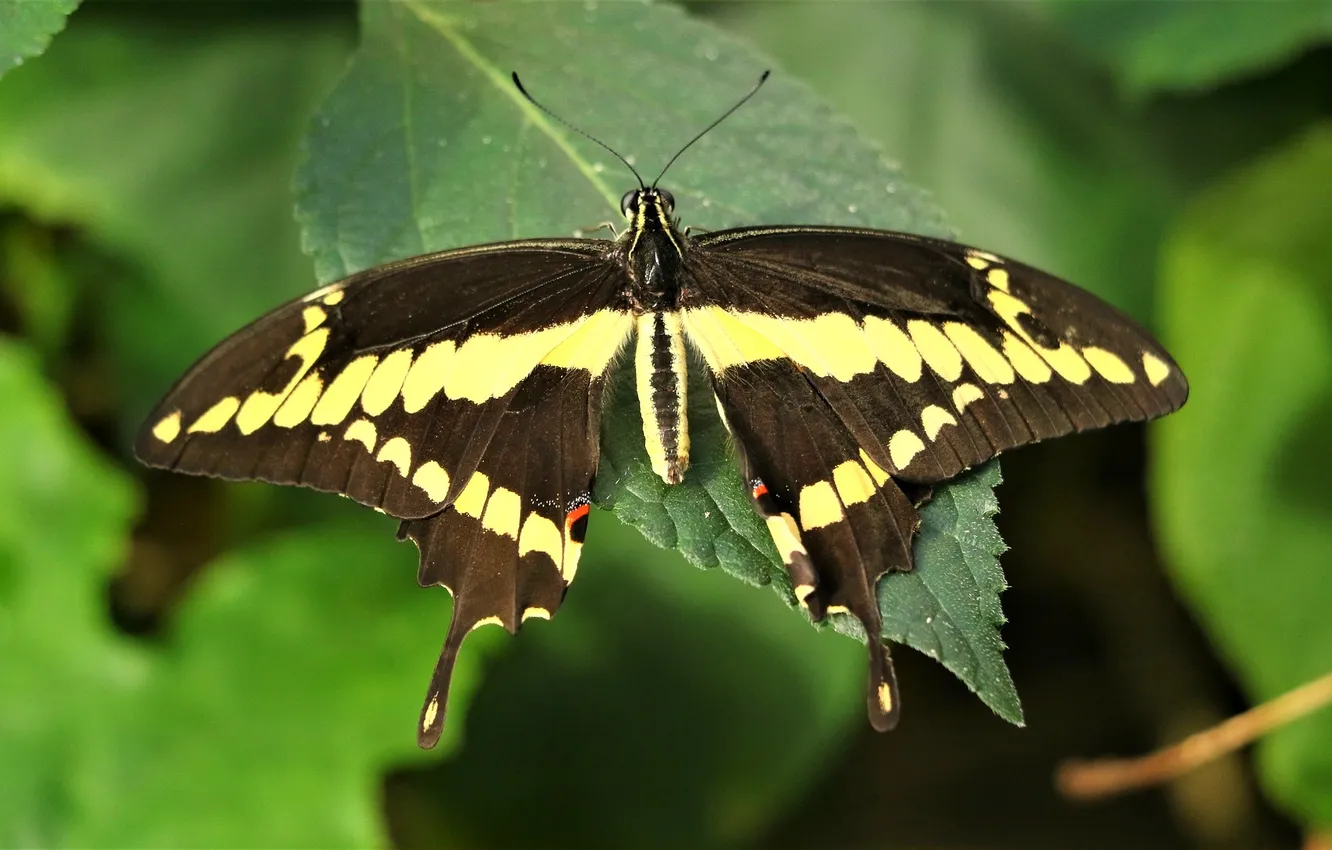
<point>934,356</point>
<point>387,385</point>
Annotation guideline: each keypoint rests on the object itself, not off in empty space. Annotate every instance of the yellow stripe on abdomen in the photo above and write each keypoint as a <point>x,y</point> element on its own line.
<point>661,373</point>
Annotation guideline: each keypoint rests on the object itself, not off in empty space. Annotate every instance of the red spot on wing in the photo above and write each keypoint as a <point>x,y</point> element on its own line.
<point>760,490</point>
<point>575,515</point>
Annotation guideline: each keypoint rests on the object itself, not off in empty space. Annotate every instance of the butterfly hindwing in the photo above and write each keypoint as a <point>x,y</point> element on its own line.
<point>509,546</point>
<point>835,516</point>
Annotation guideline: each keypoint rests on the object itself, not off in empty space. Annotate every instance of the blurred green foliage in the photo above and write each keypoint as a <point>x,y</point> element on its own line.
<point>26,27</point>
<point>255,675</point>
<point>1245,505</point>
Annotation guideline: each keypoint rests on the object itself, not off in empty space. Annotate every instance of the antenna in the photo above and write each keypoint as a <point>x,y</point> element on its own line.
<point>585,134</point>
<point>763,78</point>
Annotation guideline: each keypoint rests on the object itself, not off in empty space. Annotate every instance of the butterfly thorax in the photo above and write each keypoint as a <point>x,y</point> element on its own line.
<point>653,250</point>
<point>653,256</point>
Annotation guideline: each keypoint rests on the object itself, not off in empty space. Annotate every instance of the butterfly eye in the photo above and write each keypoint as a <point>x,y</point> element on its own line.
<point>667,199</point>
<point>628,202</point>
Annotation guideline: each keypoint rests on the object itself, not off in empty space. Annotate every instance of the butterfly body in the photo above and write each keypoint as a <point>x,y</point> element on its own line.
<point>460,392</point>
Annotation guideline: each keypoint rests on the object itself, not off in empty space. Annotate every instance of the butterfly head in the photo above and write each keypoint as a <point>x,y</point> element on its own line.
<point>650,202</point>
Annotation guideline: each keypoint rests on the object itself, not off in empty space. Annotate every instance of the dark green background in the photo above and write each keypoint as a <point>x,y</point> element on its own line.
<point>187,663</point>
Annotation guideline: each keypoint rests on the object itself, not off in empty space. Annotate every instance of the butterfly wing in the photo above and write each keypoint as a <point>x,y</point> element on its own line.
<point>850,364</point>
<point>459,392</point>
<point>948,353</point>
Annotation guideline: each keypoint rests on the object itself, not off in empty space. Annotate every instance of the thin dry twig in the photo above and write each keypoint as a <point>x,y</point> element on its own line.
<point>1099,778</point>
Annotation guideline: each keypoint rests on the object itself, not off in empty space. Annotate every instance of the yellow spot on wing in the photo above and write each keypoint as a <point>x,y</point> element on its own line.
<point>382,387</point>
<point>535,612</point>
<point>935,349</point>
<point>886,698</point>
<point>540,534</point>
<point>1155,367</point>
<point>976,262</point>
<point>1027,362</point>
<point>256,410</point>
<point>431,712</point>
<point>301,401</point>
<point>427,376</point>
<point>569,567</point>
<point>343,391</point>
<point>786,537</point>
<point>876,472</point>
<point>829,345</point>
<point>593,345</point>
<point>1108,365</point>
<point>487,621</point>
<point>1065,359</point>
<point>853,483</point>
<point>472,499</point>
<point>998,278</point>
<point>902,447</point>
<point>724,341</point>
<point>168,427</point>
<point>989,364</point>
<point>1067,362</point>
<point>398,452</point>
<point>503,511</point>
<point>432,478</point>
<point>893,348</point>
<point>487,366</point>
<point>965,394</point>
<point>314,317</point>
<point>819,505</point>
<point>838,609</point>
<point>334,297</point>
<point>363,432</point>
<point>933,418</point>
<point>216,416</point>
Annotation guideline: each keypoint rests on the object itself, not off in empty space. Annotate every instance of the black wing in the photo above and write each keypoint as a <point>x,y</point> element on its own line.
<point>847,361</point>
<point>459,392</point>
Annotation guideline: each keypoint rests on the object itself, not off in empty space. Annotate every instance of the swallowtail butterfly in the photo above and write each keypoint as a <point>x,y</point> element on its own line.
<point>460,392</point>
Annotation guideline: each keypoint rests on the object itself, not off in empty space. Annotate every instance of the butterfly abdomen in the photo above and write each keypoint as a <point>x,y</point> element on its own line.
<point>660,367</point>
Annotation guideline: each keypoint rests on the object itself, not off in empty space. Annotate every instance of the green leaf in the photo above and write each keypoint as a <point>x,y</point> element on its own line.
<point>168,156</point>
<point>948,607</point>
<point>292,678</point>
<point>1242,472</point>
<point>1184,46</point>
<point>425,144</point>
<point>26,28</point>
<point>65,515</point>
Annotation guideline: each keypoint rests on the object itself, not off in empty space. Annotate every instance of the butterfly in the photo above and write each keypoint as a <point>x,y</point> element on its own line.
<point>461,392</point>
